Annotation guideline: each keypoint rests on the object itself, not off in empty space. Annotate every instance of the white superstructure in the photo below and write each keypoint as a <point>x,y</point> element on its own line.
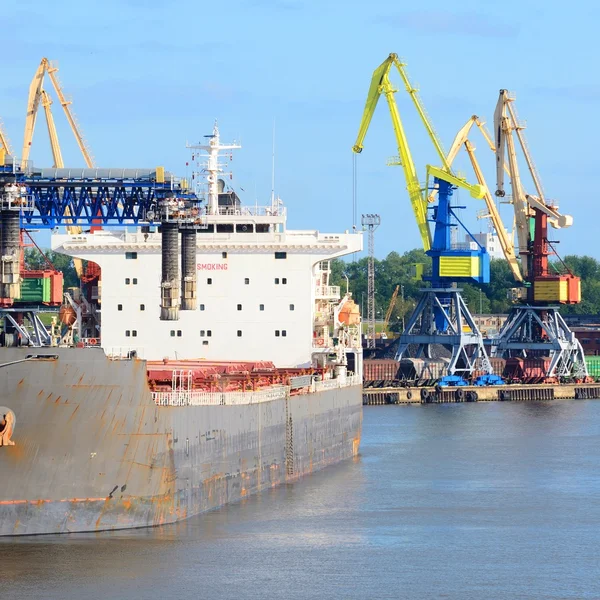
<point>263,290</point>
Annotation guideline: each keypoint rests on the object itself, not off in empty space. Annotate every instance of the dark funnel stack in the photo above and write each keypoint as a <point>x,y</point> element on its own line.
<point>169,287</point>
<point>188,268</point>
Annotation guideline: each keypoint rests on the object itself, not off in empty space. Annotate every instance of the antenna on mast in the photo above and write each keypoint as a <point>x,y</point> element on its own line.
<point>273,168</point>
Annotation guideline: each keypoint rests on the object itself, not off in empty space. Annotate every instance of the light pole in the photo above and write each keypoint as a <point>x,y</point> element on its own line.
<point>362,303</point>
<point>347,283</point>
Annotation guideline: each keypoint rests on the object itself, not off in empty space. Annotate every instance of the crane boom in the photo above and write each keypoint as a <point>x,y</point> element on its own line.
<point>35,97</point>
<point>388,313</point>
<point>33,103</point>
<point>4,142</point>
<point>52,134</point>
<point>381,84</point>
<point>462,139</point>
<point>65,104</point>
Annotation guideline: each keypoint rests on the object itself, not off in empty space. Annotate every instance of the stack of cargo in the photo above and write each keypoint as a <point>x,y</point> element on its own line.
<point>41,287</point>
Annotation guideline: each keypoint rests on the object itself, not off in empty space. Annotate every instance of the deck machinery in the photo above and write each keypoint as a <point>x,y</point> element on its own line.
<point>441,318</point>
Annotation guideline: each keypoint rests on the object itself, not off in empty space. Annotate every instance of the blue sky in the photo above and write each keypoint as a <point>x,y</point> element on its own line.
<point>146,77</point>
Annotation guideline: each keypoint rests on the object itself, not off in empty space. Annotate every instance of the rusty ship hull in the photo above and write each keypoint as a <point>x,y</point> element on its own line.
<point>94,452</point>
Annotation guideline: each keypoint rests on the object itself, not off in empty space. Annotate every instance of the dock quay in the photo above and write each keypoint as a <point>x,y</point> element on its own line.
<point>499,393</point>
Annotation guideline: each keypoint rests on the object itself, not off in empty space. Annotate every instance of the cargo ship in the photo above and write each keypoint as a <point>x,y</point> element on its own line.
<point>196,367</point>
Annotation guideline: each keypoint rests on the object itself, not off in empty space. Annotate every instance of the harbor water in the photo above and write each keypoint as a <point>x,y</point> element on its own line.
<point>460,501</point>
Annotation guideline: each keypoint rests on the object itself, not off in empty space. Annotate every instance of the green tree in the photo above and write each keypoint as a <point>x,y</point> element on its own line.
<point>35,261</point>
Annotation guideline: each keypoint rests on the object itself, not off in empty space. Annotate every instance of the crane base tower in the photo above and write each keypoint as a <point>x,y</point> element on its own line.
<point>442,318</point>
<point>541,332</point>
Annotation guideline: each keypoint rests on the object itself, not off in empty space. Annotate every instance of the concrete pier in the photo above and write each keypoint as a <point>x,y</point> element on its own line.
<point>499,393</point>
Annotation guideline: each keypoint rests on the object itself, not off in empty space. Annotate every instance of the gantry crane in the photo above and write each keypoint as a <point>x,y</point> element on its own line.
<point>36,95</point>
<point>535,327</point>
<point>441,317</point>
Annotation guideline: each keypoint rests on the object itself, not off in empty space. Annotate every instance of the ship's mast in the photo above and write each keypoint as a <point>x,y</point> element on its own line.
<point>212,168</point>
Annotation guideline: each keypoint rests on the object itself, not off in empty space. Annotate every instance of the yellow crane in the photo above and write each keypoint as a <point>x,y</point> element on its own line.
<point>4,142</point>
<point>381,84</point>
<point>391,306</point>
<point>36,95</point>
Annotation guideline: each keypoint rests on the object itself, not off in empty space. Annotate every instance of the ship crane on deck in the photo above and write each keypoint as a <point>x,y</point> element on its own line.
<point>441,317</point>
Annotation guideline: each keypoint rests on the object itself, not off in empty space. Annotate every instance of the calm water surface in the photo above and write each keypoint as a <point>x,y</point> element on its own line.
<point>488,500</point>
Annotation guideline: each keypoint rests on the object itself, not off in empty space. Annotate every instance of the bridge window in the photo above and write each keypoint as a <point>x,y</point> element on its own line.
<point>172,333</point>
<point>127,281</point>
<point>134,333</point>
<point>205,343</point>
<point>284,281</point>
<point>127,333</point>
<point>179,333</point>
<point>142,307</point>
<point>261,307</point>
<point>239,333</point>
<point>276,280</point>
<point>280,255</point>
<point>239,307</point>
<point>202,333</point>
<point>224,254</point>
<point>202,307</point>
<point>131,255</point>
<point>247,280</point>
<point>283,333</point>
<point>135,281</point>
<point>277,332</point>
<point>209,281</point>
<point>291,307</point>
<point>119,307</point>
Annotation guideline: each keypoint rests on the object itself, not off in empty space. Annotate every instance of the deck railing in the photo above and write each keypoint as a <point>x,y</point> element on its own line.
<point>192,398</point>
